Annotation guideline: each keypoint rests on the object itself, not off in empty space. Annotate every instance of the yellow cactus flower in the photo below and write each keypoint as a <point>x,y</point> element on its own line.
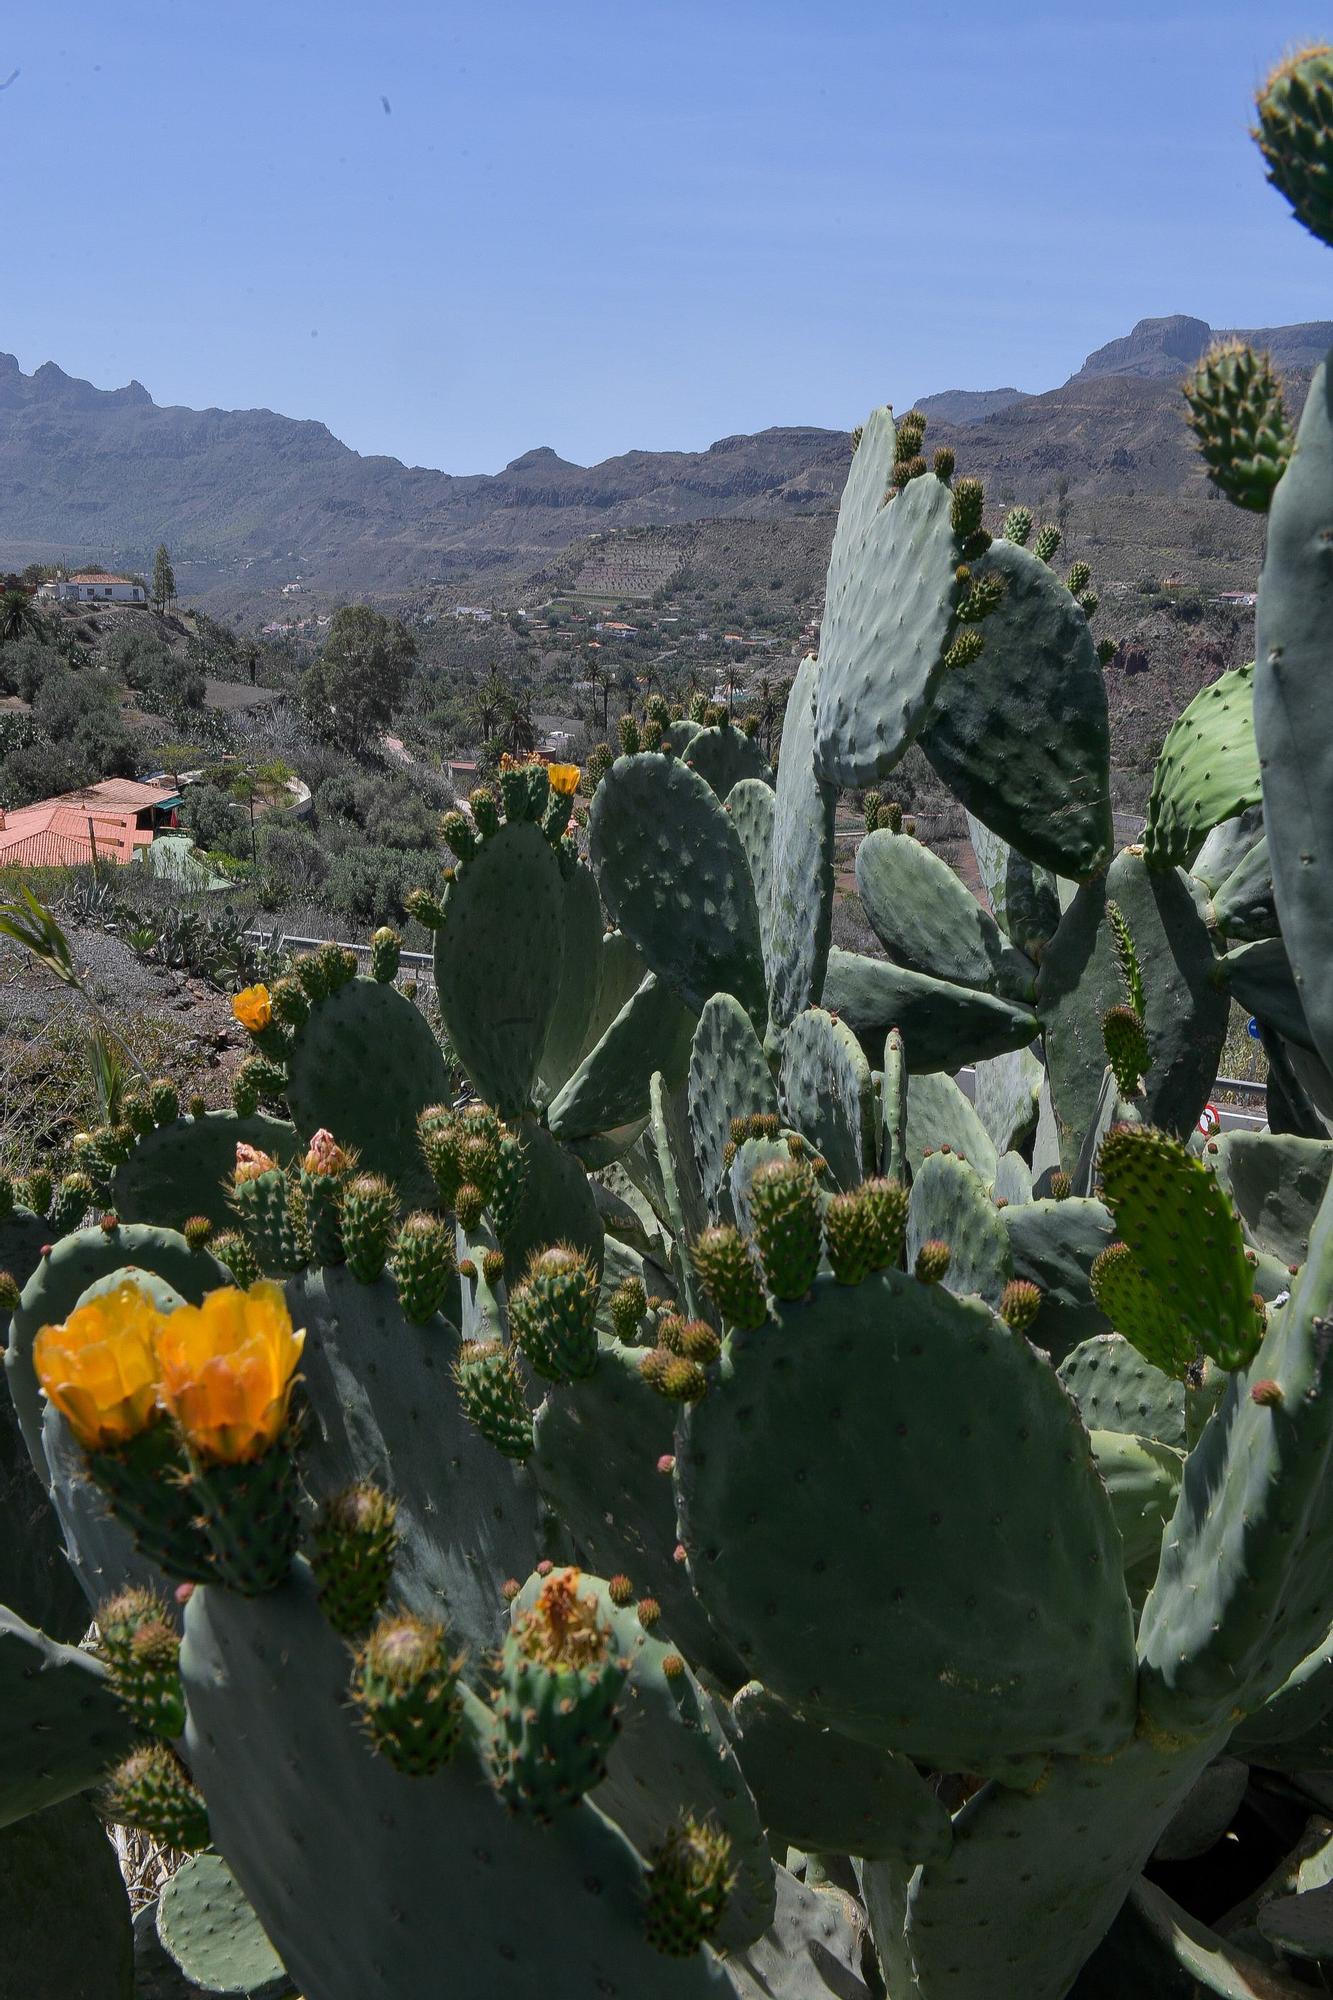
<point>227,1369</point>
<point>253,1008</point>
<point>564,778</point>
<point>99,1368</point>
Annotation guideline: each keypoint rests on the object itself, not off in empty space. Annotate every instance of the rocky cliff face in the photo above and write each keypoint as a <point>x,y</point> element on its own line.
<point>1164,349</point>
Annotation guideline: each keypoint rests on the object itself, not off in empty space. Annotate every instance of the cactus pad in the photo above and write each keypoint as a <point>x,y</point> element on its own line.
<point>1185,1010</point>
<point>1021,736</point>
<point>609,1089</point>
<point>212,1934</point>
<point>264,1741</point>
<point>943,1025</point>
<point>371,1379</point>
<point>182,1169</point>
<point>499,987</point>
<point>1236,1605</point>
<point>1186,1241</point>
<point>829,1094</point>
<point>775,1514</point>
<point>928,921</point>
<point>888,613</point>
<point>1207,772</point>
<point>823,1793</point>
<point>800,913</point>
<point>949,1203</point>
<point>1291,705</point>
<point>1117,1389</point>
<point>729,1077</point>
<point>364,1065</point>
<point>1276,1182</point>
<point>60,1722</point>
<point>1025,900</point>
<point>697,926</point>
<point>725,757</point>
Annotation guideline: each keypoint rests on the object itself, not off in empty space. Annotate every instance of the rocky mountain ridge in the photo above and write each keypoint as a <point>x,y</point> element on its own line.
<point>250,500</point>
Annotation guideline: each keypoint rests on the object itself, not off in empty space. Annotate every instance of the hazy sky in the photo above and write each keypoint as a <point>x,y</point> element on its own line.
<point>455,232</point>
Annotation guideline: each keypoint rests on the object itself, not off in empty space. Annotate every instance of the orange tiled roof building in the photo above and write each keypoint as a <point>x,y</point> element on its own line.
<point>112,820</point>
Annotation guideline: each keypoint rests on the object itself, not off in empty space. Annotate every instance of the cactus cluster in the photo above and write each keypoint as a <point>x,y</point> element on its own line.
<point>718,1510</point>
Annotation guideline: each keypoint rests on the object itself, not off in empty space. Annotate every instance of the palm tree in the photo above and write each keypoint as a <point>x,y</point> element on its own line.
<point>18,615</point>
<point>600,677</point>
<point>768,713</point>
<point>488,704</point>
<point>519,735</point>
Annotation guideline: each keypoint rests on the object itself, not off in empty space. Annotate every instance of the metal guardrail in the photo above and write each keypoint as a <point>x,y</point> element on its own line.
<point>425,963</point>
<point>267,939</point>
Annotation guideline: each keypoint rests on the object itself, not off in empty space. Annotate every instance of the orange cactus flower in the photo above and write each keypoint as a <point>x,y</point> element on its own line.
<point>251,1163</point>
<point>227,1369</point>
<point>253,1008</point>
<point>99,1369</point>
<point>564,778</point>
<point>325,1155</point>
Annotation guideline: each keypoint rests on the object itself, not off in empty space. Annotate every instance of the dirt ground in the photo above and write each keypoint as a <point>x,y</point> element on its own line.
<point>175,1025</point>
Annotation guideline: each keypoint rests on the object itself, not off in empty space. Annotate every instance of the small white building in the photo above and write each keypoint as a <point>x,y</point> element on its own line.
<point>94,587</point>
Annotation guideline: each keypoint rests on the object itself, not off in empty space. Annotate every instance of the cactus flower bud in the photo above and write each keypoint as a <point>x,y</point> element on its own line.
<point>932,1261</point>
<point>141,1647</point>
<point>368,1209</point>
<point>164,1101</point>
<point>784,1207</point>
<point>1020,1303</point>
<point>405,1688</point>
<point>1295,135</point>
<point>690,1880</point>
<point>423,1263</point>
<point>355,1542</point>
<point>553,1314</point>
<point>629,1303</point>
<point>490,1394</point>
<point>385,952</point>
<point>727,1269</point>
<point>153,1792</point>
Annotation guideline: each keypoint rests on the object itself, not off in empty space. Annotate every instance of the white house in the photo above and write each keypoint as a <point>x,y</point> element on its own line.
<point>94,587</point>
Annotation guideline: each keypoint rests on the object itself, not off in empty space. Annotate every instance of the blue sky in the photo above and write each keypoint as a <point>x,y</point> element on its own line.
<point>644,223</point>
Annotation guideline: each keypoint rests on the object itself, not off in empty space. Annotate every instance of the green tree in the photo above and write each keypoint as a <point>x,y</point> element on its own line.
<point>353,688</point>
<point>18,616</point>
<point>164,578</point>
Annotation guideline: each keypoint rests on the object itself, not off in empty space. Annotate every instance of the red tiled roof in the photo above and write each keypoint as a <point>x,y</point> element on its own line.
<point>116,795</point>
<point>56,835</point>
<point>51,850</point>
<point>100,576</point>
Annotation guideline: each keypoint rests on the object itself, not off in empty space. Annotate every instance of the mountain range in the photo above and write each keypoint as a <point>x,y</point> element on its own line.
<point>248,499</point>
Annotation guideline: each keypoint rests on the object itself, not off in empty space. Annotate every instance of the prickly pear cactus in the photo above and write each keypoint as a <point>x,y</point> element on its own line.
<point>723,1508</point>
